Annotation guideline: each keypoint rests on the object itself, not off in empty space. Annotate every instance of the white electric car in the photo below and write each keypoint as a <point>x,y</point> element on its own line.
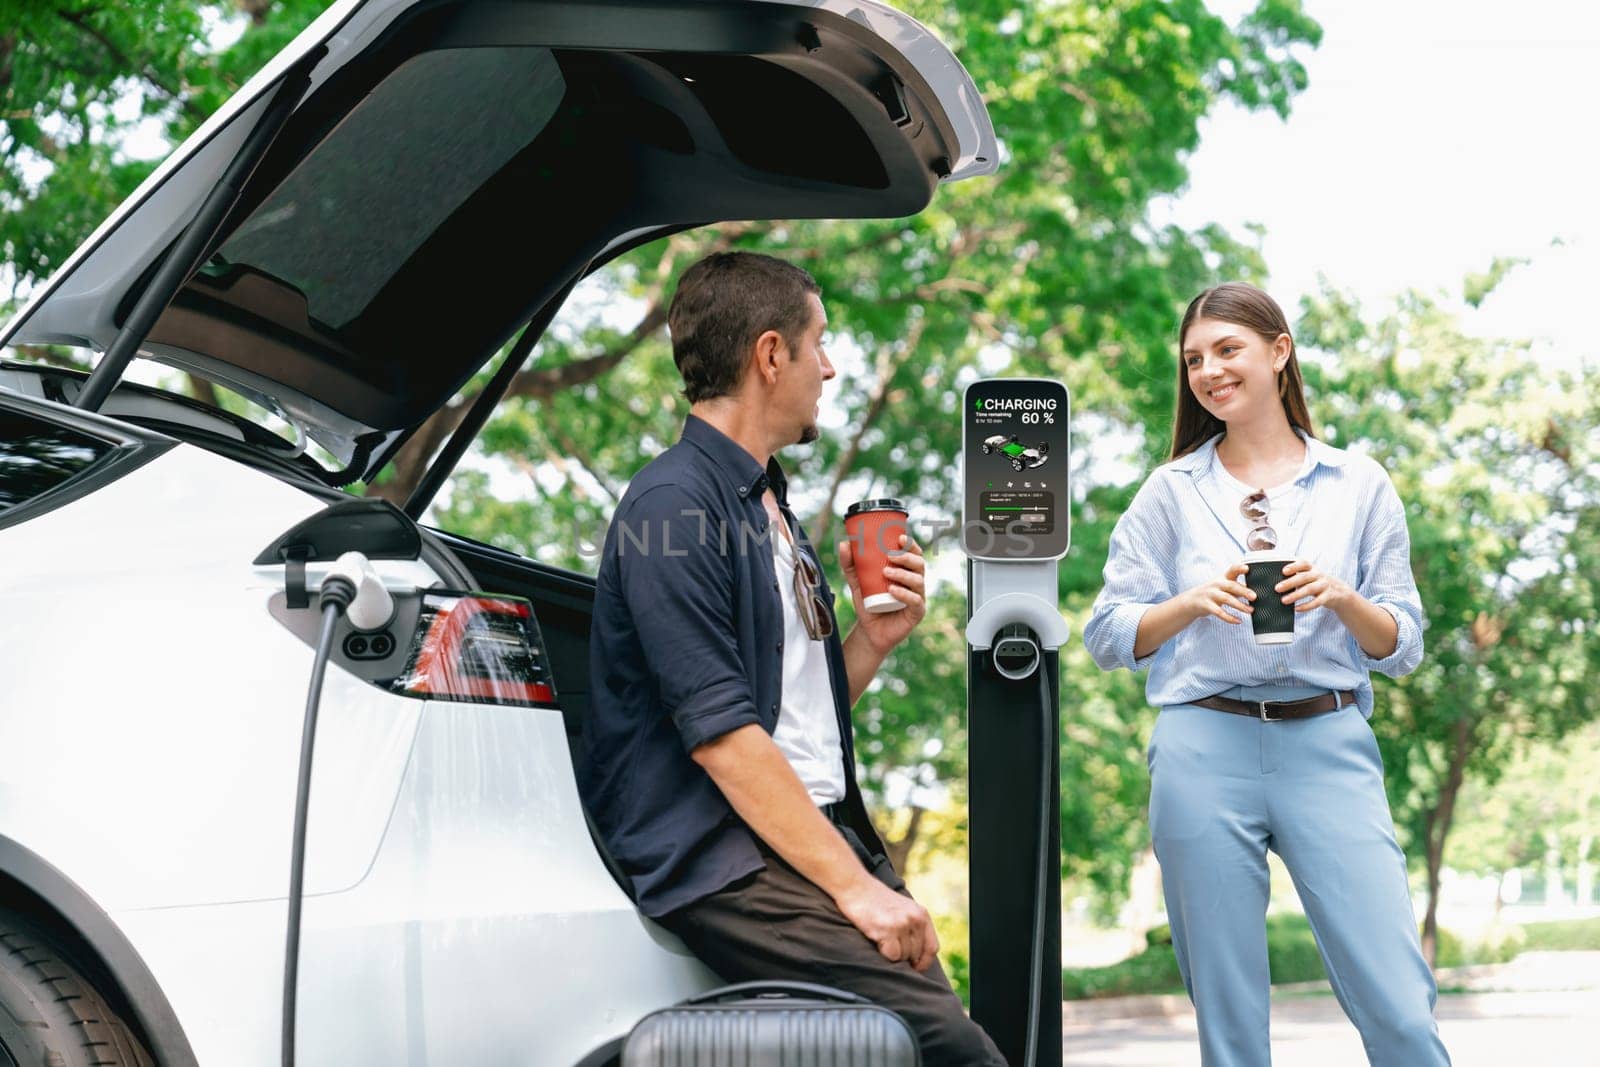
<point>353,236</point>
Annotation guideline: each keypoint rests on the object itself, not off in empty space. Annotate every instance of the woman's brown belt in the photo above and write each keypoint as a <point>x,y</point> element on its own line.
<point>1281,709</point>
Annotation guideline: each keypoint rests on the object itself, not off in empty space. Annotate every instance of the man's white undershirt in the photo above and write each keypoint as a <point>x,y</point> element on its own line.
<point>808,728</point>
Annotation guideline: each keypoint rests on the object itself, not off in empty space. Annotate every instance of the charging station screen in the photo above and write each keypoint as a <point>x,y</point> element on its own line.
<point>1015,444</point>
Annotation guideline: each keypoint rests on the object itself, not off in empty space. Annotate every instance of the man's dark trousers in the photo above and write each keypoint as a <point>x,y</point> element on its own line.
<point>776,924</point>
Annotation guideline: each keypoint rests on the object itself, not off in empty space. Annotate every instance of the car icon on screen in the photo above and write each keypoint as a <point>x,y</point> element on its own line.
<point>999,443</point>
<point>1021,456</point>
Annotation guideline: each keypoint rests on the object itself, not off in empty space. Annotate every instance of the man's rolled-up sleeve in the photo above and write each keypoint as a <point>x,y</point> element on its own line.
<point>678,582</point>
<point>1385,578</point>
<point>1138,576</point>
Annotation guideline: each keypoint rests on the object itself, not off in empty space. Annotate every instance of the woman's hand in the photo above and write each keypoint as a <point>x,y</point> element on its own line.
<point>1215,597</point>
<point>1311,588</point>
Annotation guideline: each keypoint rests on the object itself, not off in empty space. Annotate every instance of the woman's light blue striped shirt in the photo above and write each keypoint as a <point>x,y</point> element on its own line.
<point>1176,535</point>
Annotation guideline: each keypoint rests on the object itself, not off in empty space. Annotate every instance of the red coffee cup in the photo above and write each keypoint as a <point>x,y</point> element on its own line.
<point>874,528</point>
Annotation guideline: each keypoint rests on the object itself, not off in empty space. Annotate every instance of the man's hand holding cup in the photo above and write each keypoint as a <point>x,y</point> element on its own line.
<point>885,570</point>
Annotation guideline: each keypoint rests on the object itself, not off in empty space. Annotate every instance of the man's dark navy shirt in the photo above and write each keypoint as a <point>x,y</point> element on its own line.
<point>687,645</point>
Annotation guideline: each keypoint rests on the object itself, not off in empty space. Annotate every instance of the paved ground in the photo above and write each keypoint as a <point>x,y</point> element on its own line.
<point>1543,1008</point>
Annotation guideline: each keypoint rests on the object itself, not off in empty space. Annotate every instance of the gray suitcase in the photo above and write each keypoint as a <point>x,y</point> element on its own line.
<point>772,1024</point>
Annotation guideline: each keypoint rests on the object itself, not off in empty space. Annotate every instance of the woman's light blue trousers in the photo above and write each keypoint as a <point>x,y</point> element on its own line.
<point>1224,790</point>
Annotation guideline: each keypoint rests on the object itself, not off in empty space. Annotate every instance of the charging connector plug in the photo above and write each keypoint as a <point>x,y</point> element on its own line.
<point>358,587</point>
<point>336,593</point>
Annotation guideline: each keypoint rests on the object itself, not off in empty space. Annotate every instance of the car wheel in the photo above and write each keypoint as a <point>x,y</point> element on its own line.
<point>1016,465</point>
<point>50,1013</point>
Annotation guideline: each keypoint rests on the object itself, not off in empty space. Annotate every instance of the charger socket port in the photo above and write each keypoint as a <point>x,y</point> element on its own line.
<point>369,646</point>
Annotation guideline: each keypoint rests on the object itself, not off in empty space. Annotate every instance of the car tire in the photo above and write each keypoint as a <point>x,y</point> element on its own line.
<point>51,1015</point>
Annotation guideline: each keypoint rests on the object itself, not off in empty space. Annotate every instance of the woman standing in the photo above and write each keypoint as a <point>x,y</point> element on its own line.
<point>1267,746</point>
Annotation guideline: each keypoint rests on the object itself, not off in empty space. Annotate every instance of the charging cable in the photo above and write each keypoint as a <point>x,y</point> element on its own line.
<point>1017,655</point>
<point>1040,863</point>
<point>354,588</point>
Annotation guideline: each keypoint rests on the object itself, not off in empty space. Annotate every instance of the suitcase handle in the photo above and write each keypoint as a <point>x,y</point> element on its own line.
<point>777,989</point>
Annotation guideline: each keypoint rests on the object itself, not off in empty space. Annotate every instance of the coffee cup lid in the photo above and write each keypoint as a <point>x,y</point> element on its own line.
<point>1265,555</point>
<point>886,503</point>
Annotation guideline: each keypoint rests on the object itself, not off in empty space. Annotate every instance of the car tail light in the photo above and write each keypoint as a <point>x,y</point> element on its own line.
<point>483,649</point>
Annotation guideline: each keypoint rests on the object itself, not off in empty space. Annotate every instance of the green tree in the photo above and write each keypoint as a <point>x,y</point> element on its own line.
<point>1494,454</point>
<point>1549,794</point>
<point>81,84</point>
<point>86,90</point>
<point>1055,267</point>
<point>76,79</point>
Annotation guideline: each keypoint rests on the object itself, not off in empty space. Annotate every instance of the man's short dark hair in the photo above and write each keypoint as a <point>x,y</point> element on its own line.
<point>723,303</point>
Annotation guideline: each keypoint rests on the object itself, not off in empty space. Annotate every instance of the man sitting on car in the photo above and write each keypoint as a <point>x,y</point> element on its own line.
<point>719,765</point>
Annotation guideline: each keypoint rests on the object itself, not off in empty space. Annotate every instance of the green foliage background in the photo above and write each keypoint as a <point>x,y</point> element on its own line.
<point>1058,267</point>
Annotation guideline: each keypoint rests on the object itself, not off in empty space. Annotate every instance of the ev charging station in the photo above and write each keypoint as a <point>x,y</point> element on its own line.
<point>1015,528</point>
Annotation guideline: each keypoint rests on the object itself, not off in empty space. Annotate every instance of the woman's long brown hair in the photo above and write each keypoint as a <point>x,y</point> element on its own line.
<point>1244,305</point>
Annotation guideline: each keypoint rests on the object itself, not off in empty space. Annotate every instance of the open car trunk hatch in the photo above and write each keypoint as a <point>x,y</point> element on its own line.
<point>455,165</point>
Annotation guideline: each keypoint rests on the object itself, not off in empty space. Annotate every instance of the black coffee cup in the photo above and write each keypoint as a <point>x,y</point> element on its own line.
<point>1272,620</point>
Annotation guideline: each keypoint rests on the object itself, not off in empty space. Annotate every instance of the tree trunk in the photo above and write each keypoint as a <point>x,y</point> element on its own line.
<point>256,10</point>
<point>1438,828</point>
<point>1430,920</point>
<point>899,850</point>
<point>533,383</point>
<point>889,359</point>
<point>202,390</point>
<point>1584,890</point>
